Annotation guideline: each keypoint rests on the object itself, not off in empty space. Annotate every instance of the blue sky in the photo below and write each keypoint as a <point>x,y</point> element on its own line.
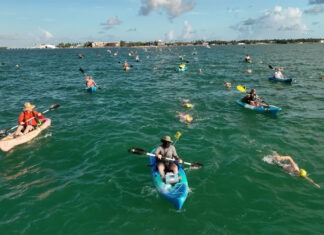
<point>33,22</point>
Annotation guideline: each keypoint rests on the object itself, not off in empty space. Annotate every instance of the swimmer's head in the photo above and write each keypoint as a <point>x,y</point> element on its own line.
<point>187,105</point>
<point>302,173</point>
<point>188,118</point>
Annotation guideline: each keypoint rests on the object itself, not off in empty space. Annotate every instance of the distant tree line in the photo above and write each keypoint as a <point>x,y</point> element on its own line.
<point>203,42</point>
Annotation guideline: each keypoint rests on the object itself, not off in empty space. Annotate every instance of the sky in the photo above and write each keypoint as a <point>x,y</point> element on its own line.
<point>34,22</point>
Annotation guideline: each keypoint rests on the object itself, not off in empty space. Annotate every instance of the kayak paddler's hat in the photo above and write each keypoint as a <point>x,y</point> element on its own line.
<point>28,106</point>
<point>166,139</point>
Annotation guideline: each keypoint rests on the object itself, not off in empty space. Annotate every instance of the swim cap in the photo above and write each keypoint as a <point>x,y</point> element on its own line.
<point>188,118</point>
<point>302,173</point>
<point>188,105</point>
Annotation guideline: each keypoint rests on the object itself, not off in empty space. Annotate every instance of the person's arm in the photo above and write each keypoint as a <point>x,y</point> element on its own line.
<point>21,120</point>
<point>288,158</point>
<point>175,155</point>
<point>158,153</point>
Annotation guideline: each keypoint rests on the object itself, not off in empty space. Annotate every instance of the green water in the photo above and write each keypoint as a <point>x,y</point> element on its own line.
<point>78,178</point>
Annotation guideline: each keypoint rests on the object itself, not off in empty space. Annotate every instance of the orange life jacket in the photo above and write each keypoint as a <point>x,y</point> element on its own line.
<point>29,118</point>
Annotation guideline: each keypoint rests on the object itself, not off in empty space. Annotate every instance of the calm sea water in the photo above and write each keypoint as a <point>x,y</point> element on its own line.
<point>78,178</point>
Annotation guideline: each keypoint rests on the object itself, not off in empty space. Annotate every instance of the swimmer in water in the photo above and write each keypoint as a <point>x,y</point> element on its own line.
<point>289,165</point>
<point>186,118</point>
<point>228,85</point>
<point>187,104</point>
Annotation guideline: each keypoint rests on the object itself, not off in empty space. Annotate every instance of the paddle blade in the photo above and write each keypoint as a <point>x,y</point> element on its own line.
<point>177,135</point>
<point>270,66</point>
<point>241,88</point>
<point>81,70</point>
<point>4,132</point>
<point>54,106</point>
<point>196,165</point>
<point>137,151</point>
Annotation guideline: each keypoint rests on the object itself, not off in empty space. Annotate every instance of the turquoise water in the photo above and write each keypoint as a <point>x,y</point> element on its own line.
<point>78,178</point>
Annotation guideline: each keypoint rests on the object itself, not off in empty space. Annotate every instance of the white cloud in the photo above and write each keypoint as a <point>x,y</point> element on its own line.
<point>113,21</point>
<point>277,23</point>
<point>170,36</point>
<point>187,31</point>
<point>173,8</point>
<point>46,34</point>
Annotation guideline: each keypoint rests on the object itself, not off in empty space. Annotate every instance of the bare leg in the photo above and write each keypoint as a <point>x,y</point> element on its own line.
<point>19,129</point>
<point>161,168</point>
<point>28,129</point>
<point>174,168</point>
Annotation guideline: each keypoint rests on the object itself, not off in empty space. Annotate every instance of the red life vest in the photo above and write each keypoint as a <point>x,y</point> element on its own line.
<point>29,118</point>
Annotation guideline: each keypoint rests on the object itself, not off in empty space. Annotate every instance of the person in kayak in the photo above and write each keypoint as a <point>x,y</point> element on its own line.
<point>251,99</point>
<point>28,120</point>
<point>288,164</point>
<point>248,58</point>
<point>278,74</point>
<point>166,150</point>
<point>90,82</point>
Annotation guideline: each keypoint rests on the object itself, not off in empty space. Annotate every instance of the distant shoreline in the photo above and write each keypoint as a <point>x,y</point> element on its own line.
<point>161,43</point>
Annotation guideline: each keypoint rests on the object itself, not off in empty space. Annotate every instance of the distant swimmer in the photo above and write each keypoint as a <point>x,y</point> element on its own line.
<point>187,104</point>
<point>228,85</point>
<point>185,118</point>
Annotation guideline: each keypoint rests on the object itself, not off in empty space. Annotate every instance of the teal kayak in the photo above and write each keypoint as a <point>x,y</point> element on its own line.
<point>176,193</point>
<point>262,109</point>
<point>91,89</point>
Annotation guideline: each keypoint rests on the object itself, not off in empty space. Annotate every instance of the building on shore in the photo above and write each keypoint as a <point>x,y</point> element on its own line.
<point>105,44</point>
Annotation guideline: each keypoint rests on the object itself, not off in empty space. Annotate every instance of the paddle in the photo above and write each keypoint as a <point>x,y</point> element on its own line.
<point>139,151</point>
<point>85,74</point>
<point>52,107</point>
<point>270,67</point>
<point>130,65</point>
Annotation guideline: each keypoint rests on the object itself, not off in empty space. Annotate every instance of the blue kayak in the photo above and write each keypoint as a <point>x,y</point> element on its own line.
<point>285,80</point>
<point>176,193</point>
<point>262,109</point>
<point>91,89</point>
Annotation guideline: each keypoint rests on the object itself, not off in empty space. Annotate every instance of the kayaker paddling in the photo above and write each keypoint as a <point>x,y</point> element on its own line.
<point>252,99</point>
<point>248,58</point>
<point>166,150</point>
<point>90,82</point>
<point>278,74</point>
<point>28,120</point>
